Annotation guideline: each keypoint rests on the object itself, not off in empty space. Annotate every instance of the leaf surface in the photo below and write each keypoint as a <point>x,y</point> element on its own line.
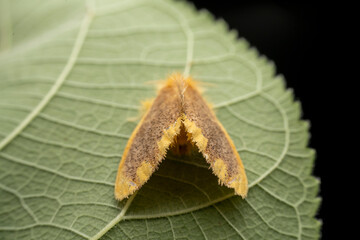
<point>72,76</point>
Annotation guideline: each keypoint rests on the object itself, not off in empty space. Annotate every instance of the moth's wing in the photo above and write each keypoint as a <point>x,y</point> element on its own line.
<point>213,141</point>
<point>149,142</point>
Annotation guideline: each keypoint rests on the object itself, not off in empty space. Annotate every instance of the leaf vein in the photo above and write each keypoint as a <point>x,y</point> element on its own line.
<point>29,164</point>
<point>58,83</point>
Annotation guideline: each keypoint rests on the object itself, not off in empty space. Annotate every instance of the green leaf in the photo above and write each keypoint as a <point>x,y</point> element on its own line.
<point>72,76</point>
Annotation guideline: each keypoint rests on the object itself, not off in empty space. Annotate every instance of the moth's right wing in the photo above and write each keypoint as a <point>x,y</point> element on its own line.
<point>213,141</point>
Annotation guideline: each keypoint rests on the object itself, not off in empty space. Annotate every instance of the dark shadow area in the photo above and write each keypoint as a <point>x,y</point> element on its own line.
<point>289,34</point>
<point>182,182</point>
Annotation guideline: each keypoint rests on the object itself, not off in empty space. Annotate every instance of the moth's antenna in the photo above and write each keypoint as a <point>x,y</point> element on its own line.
<point>182,92</point>
<point>185,84</point>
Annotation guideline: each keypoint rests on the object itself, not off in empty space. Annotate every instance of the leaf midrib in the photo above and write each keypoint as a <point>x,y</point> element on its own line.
<point>79,41</point>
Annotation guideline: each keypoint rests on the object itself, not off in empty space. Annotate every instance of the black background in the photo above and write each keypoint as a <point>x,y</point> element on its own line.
<point>289,34</point>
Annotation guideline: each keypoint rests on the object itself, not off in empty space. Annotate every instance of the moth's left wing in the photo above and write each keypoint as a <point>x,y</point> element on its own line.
<point>149,142</point>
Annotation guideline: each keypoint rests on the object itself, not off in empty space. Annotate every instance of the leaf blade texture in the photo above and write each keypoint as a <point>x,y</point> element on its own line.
<point>72,76</point>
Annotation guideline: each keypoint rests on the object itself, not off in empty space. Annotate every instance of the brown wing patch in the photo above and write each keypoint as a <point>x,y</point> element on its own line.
<point>148,143</point>
<point>213,141</point>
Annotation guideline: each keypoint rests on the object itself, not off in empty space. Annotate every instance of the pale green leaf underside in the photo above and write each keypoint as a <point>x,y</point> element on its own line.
<point>72,76</point>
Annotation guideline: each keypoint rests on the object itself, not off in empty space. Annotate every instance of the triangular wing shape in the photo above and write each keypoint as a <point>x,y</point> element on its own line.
<point>213,141</point>
<point>149,142</point>
<point>178,105</point>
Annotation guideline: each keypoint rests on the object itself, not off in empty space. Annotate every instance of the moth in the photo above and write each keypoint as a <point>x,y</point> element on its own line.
<point>179,116</point>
